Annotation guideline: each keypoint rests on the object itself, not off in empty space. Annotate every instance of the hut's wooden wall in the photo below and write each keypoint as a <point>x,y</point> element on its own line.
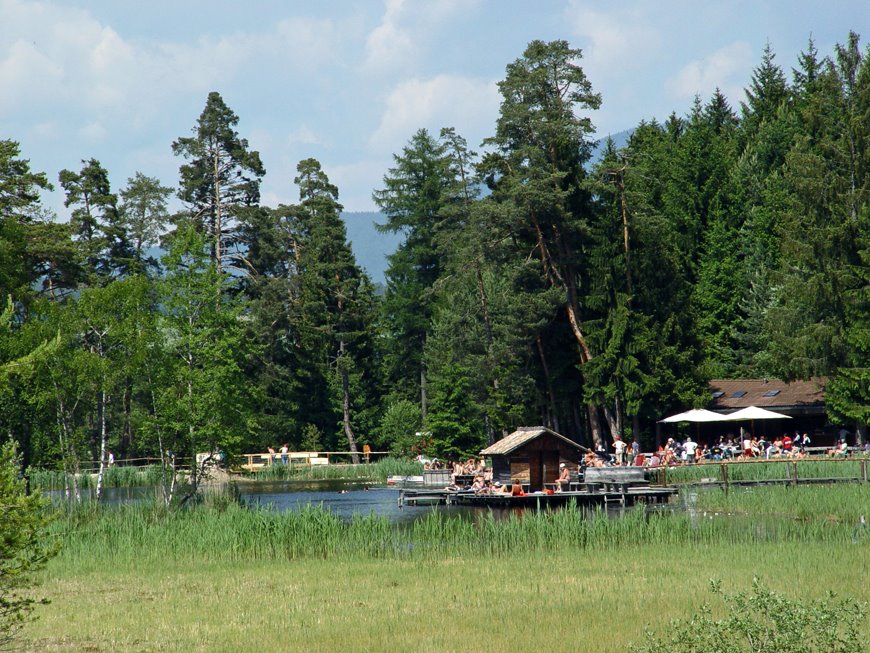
<point>536,462</point>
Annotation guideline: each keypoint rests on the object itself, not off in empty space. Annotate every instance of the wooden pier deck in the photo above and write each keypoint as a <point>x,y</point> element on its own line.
<point>627,497</point>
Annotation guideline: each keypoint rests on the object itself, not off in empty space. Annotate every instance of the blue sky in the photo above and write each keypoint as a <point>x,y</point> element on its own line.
<point>348,82</point>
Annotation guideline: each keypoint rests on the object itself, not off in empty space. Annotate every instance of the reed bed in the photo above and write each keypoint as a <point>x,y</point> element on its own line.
<point>845,503</point>
<point>221,577</point>
<point>115,476</point>
<point>807,468</point>
<point>221,531</point>
<point>376,472</point>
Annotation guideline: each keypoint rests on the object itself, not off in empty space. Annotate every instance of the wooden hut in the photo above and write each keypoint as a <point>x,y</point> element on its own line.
<point>531,455</point>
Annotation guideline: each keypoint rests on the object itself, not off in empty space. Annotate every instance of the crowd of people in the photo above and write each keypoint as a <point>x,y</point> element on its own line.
<point>473,475</point>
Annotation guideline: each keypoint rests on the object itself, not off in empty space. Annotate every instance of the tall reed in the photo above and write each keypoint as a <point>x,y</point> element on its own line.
<point>114,476</point>
<point>222,531</point>
<point>376,472</point>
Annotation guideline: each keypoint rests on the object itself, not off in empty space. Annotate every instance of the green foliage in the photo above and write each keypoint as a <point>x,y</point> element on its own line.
<point>765,621</point>
<point>455,422</point>
<point>24,546</point>
<point>312,438</point>
<point>399,425</point>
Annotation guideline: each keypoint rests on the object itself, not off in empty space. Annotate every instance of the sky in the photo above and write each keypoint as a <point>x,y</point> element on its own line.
<point>348,82</point>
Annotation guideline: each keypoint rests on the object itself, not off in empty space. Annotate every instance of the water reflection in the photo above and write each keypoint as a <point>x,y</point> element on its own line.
<point>343,498</point>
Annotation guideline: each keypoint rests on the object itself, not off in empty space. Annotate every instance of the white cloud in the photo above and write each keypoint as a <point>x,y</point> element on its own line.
<point>613,41</point>
<point>727,68</point>
<point>389,45</point>
<point>67,57</point>
<point>405,30</point>
<point>92,132</point>
<point>303,135</point>
<point>470,105</point>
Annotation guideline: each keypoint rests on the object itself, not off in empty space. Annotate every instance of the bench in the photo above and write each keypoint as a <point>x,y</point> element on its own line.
<point>613,479</point>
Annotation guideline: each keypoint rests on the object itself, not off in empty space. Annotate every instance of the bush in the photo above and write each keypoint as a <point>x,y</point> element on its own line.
<point>765,621</point>
<point>24,547</point>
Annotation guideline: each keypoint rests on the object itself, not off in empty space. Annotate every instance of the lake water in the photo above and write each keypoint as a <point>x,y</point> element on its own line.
<point>343,498</point>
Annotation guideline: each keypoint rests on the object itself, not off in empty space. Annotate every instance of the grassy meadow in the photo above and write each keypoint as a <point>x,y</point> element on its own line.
<point>224,578</point>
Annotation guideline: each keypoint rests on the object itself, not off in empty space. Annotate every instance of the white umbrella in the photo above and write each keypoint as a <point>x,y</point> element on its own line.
<point>753,413</point>
<point>696,415</point>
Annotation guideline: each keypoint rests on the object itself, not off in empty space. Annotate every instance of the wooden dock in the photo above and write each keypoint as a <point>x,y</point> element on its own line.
<point>628,496</point>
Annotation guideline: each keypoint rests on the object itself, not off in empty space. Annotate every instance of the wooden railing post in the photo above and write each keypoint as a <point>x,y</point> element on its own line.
<point>864,469</point>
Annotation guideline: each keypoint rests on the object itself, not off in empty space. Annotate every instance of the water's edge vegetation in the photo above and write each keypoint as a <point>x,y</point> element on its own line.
<point>221,530</point>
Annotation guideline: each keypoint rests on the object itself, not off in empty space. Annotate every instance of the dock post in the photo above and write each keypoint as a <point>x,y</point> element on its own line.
<point>864,469</point>
<point>724,467</point>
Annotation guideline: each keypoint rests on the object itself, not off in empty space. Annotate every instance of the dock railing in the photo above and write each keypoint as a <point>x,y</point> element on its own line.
<point>784,471</point>
<point>255,461</point>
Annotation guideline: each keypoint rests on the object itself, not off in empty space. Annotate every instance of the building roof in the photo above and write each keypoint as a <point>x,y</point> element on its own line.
<point>728,394</point>
<point>520,437</point>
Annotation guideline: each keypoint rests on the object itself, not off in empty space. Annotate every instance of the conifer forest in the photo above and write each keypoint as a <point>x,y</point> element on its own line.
<point>535,283</point>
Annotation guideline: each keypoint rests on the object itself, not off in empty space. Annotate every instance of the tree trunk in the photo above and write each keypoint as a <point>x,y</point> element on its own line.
<point>595,426</point>
<point>487,324</point>
<point>218,227</point>
<point>423,399</point>
<point>345,405</point>
<point>103,437</point>
<point>549,383</point>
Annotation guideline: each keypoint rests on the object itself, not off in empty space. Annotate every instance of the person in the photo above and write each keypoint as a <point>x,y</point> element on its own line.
<point>747,446</point>
<point>564,478</point>
<point>690,448</point>
<point>805,441</point>
<point>110,458</point>
<point>285,449</point>
<point>517,490</point>
<point>654,460</point>
<point>619,446</point>
<point>271,455</point>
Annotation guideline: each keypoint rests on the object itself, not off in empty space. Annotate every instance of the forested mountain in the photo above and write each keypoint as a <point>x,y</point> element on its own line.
<point>370,246</point>
<point>532,282</point>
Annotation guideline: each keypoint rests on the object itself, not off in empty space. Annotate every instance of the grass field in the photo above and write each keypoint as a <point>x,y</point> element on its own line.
<point>220,578</point>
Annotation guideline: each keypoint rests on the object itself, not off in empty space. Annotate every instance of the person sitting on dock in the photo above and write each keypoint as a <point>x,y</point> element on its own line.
<point>593,460</point>
<point>564,478</point>
<point>517,490</point>
<point>498,488</point>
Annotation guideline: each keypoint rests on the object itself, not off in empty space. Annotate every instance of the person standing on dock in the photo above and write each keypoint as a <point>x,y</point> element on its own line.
<point>619,446</point>
<point>284,451</point>
<point>690,448</point>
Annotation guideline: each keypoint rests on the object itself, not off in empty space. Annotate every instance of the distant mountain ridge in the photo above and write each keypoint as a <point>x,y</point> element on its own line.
<point>370,246</point>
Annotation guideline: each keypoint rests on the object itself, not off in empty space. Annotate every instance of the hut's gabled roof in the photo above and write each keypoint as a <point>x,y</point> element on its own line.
<point>520,437</point>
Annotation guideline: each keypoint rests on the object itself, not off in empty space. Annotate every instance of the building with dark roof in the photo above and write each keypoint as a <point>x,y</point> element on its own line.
<point>803,401</point>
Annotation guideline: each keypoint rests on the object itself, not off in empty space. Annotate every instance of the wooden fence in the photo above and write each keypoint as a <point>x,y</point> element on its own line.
<point>794,472</point>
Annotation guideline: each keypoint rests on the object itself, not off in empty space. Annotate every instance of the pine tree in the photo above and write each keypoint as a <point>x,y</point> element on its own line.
<point>100,233</point>
<point>221,179</point>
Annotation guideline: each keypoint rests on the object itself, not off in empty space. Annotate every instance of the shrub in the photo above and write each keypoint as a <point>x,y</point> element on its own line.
<point>765,621</point>
<point>23,545</point>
